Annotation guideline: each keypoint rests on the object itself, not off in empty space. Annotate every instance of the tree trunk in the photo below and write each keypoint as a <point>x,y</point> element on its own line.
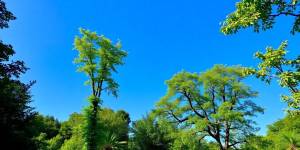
<point>220,145</point>
<point>92,141</point>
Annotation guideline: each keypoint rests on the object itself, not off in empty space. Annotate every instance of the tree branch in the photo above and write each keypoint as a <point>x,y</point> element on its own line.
<point>284,13</point>
<point>176,118</point>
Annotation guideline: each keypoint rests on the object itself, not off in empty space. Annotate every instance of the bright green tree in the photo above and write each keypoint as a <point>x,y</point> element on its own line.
<point>215,103</point>
<point>98,58</point>
<point>261,15</point>
<point>275,65</point>
<point>255,142</point>
<point>152,132</point>
<point>149,134</point>
<point>285,133</point>
<point>183,140</point>
<point>112,128</point>
<point>72,132</point>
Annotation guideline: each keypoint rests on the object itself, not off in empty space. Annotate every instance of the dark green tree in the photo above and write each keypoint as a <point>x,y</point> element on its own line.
<point>15,113</point>
<point>213,104</point>
<point>45,124</point>
<point>98,59</point>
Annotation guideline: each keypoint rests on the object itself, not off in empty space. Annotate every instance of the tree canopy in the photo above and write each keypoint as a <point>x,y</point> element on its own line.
<point>16,113</point>
<point>261,15</point>
<point>98,59</point>
<point>275,65</point>
<point>215,103</point>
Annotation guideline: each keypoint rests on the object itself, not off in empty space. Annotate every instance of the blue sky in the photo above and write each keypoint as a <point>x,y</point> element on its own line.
<point>161,37</point>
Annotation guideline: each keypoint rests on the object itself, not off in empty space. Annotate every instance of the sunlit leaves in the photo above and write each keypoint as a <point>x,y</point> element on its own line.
<point>211,102</point>
<point>245,15</point>
<point>98,58</point>
<point>284,133</point>
<point>275,65</point>
<point>261,15</point>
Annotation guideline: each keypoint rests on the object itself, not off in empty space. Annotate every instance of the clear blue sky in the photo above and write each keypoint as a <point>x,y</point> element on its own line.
<point>162,38</point>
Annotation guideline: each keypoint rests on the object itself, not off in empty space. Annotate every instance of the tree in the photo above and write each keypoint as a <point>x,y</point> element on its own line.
<point>45,124</point>
<point>149,134</point>
<point>15,113</point>
<point>275,65</point>
<point>215,103</point>
<point>98,59</point>
<point>261,15</point>
<point>73,132</point>
<point>45,130</point>
<point>112,142</point>
<point>183,140</point>
<point>6,49</point>
<point>285,133</point>
<point>255,142</point>
<point>111,127</point>
<point>153,132</point>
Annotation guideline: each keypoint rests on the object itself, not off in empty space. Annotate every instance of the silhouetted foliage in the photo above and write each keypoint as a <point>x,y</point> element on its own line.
<point>15,113</point>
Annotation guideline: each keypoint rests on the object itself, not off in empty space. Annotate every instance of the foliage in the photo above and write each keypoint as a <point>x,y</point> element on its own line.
<point>149,134</point>
<point>46,132</point>
<point>183,140</point>
<point>41,141</point>
<point>274,64</point>
<point>98,59</point>
<point>15,113</point>
<point>254,142</point>
<point>74,143</point>
<point>45,124</point>
<point>112,130</point>
<point>285,133</point>
<point>5,16</point>
<point>261,15</point>
<point>55,143</point>
<point>114,124</point>
<point>74,129</point>
<point>112,142</point>
<point>152,132</point>
<point>214,103</point>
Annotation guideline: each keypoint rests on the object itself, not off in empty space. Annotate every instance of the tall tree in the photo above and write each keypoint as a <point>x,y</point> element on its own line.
<point>15,113</point>
<point>215,103</point>
<point>261,15</point>
<point>275,65</point>
<point>98,58</point>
